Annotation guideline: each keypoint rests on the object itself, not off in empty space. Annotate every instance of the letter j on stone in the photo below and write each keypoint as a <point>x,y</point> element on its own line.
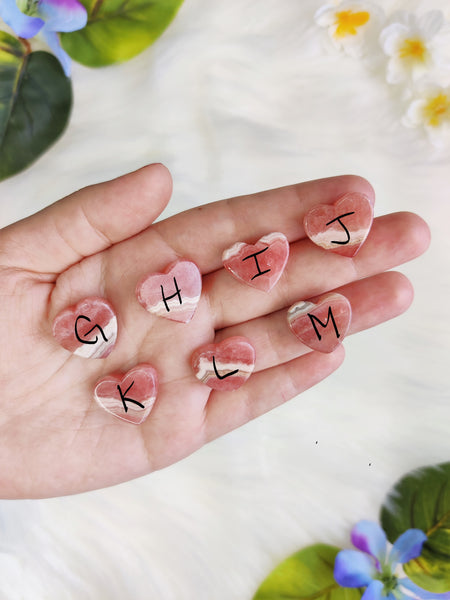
<point>341,227</point>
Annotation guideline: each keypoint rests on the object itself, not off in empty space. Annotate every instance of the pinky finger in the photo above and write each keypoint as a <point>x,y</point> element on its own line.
<point>266,390</point>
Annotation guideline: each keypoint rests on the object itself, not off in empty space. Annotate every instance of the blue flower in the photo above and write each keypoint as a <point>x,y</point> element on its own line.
<point>378,568</point>
<point>29,17</point>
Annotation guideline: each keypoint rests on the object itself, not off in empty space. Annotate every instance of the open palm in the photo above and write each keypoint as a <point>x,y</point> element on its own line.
<point>100,241</point>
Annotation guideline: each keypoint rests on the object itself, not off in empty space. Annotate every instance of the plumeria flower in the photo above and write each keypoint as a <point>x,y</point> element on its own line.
<point>47,17</point>
<point>351,24</point>
<point>414,44</point>
<point>377,565</point>
<point>430,109</point>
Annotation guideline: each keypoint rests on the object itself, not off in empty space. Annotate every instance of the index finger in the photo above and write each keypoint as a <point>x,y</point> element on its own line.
<point>203,233</point>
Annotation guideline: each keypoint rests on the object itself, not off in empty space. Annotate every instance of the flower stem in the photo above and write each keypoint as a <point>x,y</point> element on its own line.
<point>27,45</point>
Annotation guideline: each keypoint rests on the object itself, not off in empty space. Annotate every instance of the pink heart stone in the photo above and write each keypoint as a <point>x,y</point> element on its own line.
<point>224,366</point>
<point>129,396</point>
<point>87,329</point>
<point>260,265</point>
<point>322,322</point>
<point>341,227</point>
<point>173,294</point>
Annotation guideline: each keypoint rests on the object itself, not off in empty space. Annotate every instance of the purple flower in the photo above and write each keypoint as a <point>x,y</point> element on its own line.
<point>29,17</point>
<point>377,567</point>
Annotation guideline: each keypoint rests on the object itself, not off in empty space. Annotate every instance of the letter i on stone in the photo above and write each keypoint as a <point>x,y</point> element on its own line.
<point>173,294</point>
<point>259,265</point>
<point>322,322</point>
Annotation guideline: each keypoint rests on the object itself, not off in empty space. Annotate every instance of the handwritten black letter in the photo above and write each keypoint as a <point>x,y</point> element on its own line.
<point>254,255</point>
<point>342,225</point>
<point>88,332</point>
<point>222,376</point>
<point>329,316</point>
<point>177,293</point>
<point>123,397</point>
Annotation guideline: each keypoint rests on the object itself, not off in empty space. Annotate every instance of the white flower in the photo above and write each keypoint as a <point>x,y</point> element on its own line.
<point>351,24</point>
<point>430,109</point>
<point>413,44</point>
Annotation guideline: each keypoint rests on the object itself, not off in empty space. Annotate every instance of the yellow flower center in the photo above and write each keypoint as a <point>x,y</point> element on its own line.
<point>413,50</point>
<point>437,109</point>
<point>347,22</point>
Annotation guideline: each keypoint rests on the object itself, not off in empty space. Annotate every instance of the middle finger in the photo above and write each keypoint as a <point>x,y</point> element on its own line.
<point>394,239</point>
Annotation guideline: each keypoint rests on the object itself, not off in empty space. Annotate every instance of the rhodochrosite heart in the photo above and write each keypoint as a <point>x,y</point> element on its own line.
<point>226,365</point>
<point>173,294</point>
<point>341,227</point>
<point>321,323</point>
<point>129,396</point>
<point>87,329</point>
<point>261,264</point>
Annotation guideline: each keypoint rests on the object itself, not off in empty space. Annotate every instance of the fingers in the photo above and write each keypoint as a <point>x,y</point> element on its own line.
<point>373,300</point>
<point>266,390</point>
<point>87,221</point>
<point>203,233</point>
<point>393,240</point>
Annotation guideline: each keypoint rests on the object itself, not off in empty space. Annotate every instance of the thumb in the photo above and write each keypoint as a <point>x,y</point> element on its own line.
<point>86,222</point>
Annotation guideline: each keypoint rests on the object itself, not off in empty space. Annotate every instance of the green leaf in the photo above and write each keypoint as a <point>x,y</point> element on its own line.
<point>35,103</point>
<point>308,574</point>
<point>117,30</point>
<point>421,500</point>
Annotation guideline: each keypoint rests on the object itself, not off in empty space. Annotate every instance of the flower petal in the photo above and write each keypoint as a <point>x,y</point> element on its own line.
<point>391,36</point>
<point>407,18</point>
<point>431,22</point>
<point>369,537</point>
<point>23,25</point>
<point>414,114</point>
<point>438,137</point>
<point>395,73</point>
<point>374,591</point>
<point>418,592</point>
<point>353,568</point>
<point>63,15</point>
<point>325,16</point>
<point>52,39</point>
<point>407,546</point>
<point>404,17</point>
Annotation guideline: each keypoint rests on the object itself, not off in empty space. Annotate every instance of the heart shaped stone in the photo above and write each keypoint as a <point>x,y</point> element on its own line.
<point>224,366</point>
<point>259,265</point>
<point>87,329</point>
<point>341,227</point>
<point>129,396</point>
<point>173,294</point>
<point>322,322</point>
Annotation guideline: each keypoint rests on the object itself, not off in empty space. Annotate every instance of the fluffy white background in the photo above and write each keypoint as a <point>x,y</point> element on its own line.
<point>239,96</point>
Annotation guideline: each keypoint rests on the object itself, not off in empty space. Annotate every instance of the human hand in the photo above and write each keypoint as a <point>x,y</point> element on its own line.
<point>100,241</point>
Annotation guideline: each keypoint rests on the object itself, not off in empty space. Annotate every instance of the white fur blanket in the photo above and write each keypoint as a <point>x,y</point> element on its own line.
<point>239,96</point>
